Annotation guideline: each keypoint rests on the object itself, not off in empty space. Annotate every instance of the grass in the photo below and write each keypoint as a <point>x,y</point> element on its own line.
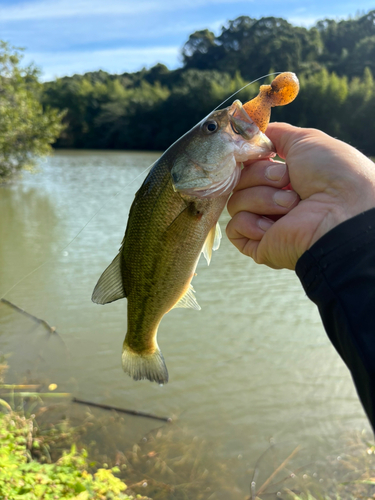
<point>23,477</point>
<point>44,463</point>
<point>42,457</point>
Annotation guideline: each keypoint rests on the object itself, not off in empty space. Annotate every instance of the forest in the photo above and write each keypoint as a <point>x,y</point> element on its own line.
<point>150,109</point>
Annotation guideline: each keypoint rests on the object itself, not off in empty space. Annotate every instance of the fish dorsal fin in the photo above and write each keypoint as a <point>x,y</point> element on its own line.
<point>212,242</point>
<point>188,300</point>
<point>110,285</point>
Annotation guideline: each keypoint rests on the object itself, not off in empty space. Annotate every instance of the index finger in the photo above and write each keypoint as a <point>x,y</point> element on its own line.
<point>263,173</point>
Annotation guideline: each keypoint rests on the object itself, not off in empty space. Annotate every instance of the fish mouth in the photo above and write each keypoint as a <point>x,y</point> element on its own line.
<point>240,121</point>
<point>256,145</point>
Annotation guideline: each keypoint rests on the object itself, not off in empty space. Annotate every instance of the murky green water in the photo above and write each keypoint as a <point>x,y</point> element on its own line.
<point>252,365</point>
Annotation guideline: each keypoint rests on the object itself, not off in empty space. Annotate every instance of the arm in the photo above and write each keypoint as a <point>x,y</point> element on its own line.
<point>338,275</point>
<point>318,228</point>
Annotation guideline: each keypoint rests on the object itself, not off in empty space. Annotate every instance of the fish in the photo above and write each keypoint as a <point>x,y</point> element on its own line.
<point>172,221</point>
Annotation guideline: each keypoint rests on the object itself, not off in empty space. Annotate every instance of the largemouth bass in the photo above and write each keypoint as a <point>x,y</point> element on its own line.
<point>173,219</point>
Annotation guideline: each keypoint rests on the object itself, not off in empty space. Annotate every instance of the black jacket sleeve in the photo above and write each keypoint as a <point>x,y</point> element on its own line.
<point>338,275</point>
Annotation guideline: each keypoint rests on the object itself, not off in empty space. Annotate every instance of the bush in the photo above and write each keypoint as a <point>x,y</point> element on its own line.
<point>22,478</point>
<point>26,130</point>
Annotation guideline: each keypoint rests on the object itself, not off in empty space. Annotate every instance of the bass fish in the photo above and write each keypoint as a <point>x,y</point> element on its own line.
<point>173,219</point>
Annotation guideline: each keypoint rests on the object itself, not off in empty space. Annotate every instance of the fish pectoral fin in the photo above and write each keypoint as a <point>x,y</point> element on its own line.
<point>178,226</point>
<point>188,300</point>
<point>212,242</point>
<point>110,284</point>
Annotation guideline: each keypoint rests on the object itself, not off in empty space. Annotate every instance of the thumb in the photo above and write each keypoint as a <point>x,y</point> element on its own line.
<point>285,136</point>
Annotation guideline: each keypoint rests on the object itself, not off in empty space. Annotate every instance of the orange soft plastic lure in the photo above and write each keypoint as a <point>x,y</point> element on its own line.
<point>283,90</point>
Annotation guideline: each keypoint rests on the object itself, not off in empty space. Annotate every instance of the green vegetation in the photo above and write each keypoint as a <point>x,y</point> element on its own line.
<point>22,478</point>
<point>176,465</point>
<point>150,109</point>
<point>170,463</point>
<point>34,461</point>
<point>26,130</point>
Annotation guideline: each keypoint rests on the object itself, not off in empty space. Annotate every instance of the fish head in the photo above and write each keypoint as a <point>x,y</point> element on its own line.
<point>210,155</point>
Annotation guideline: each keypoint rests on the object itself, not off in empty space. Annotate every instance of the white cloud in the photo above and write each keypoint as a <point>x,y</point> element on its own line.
<point>308,20</point>
<point>304,20</point>
<point>111,60</point>
<point>45,9</point>
<point>64,37</point>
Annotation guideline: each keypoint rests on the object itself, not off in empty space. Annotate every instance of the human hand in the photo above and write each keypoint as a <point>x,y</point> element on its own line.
<point>331,182</point>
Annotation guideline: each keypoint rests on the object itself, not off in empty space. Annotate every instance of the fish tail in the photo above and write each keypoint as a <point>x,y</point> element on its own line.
<point>146,365</point>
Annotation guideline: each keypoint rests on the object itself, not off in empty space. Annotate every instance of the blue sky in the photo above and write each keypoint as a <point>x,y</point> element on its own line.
<point>64,37</point>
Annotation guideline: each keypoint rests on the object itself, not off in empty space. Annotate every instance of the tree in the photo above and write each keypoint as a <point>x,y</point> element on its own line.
<point>362,56</point>
<point>26,130</point>
<point>202,51</point>
<point>150,109</point>
<point>344,42</point>
<point>252,47</point>
<point>81,97</point>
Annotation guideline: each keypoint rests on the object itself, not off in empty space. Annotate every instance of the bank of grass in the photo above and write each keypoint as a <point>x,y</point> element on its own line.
<point>44,459</point>
<point>167,464</point>
<point>23,477</point>
<point>27,471</point>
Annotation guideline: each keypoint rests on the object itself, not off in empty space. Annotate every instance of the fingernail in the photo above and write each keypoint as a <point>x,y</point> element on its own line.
<point>265,223</point>
<point>285,198</point>
<point>276,172</point>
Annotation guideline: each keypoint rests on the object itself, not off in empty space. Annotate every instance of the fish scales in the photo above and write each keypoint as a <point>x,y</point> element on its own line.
<point>160,250</point>
<point>172,220</point>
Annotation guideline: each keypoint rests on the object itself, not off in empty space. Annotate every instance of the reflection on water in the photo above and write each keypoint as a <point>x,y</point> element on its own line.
<point>253,364</point>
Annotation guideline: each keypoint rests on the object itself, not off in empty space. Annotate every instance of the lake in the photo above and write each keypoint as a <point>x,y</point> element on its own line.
<point>253,366</point>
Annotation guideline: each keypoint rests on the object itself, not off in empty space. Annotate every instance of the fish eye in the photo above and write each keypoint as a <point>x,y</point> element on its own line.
<point>210,126</point>
<point>234,129</point>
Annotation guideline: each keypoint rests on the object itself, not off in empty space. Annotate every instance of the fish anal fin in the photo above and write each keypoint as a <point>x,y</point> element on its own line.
<point>188,300</point>
<point>110,284</point>
<point>212,242</point>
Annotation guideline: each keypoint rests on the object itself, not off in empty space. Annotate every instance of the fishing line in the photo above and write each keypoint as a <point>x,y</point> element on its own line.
<point>235,93</point>
<point>115,195</point>
<point>244,87</point>
<point>108,202</point>
<point>227,99</point>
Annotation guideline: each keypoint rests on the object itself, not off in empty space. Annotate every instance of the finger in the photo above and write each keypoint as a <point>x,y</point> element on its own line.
<point>246,231</point>
<point>249,248</point>
<point>245,226</point>
<point>262,200</point>
<point>264,173</point>
<point>286,138</point>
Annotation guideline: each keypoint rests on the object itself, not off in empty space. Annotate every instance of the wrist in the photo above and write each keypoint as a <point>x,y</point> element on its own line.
<point>336,215</point>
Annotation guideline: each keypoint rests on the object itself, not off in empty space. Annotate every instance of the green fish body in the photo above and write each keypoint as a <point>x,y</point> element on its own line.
<point>172,220</point>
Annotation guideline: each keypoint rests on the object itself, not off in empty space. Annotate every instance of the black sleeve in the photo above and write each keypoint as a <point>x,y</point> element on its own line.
<point>338,275</point>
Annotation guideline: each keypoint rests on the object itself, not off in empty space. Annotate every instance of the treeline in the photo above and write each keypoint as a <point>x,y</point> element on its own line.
<point>150,109</point>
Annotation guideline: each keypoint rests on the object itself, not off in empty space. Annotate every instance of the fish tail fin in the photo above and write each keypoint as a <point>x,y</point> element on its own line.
<point>139,366</point>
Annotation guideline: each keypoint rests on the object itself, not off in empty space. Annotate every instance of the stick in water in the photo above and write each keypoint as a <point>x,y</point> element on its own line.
<point>50,328</point>
<point>277,470</point>
<point>122,410</point>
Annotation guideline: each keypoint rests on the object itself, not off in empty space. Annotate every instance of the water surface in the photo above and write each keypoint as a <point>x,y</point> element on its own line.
<point>253,364</point>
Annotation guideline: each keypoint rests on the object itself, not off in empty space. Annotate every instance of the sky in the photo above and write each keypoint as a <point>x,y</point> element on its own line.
<point>64,37</point>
